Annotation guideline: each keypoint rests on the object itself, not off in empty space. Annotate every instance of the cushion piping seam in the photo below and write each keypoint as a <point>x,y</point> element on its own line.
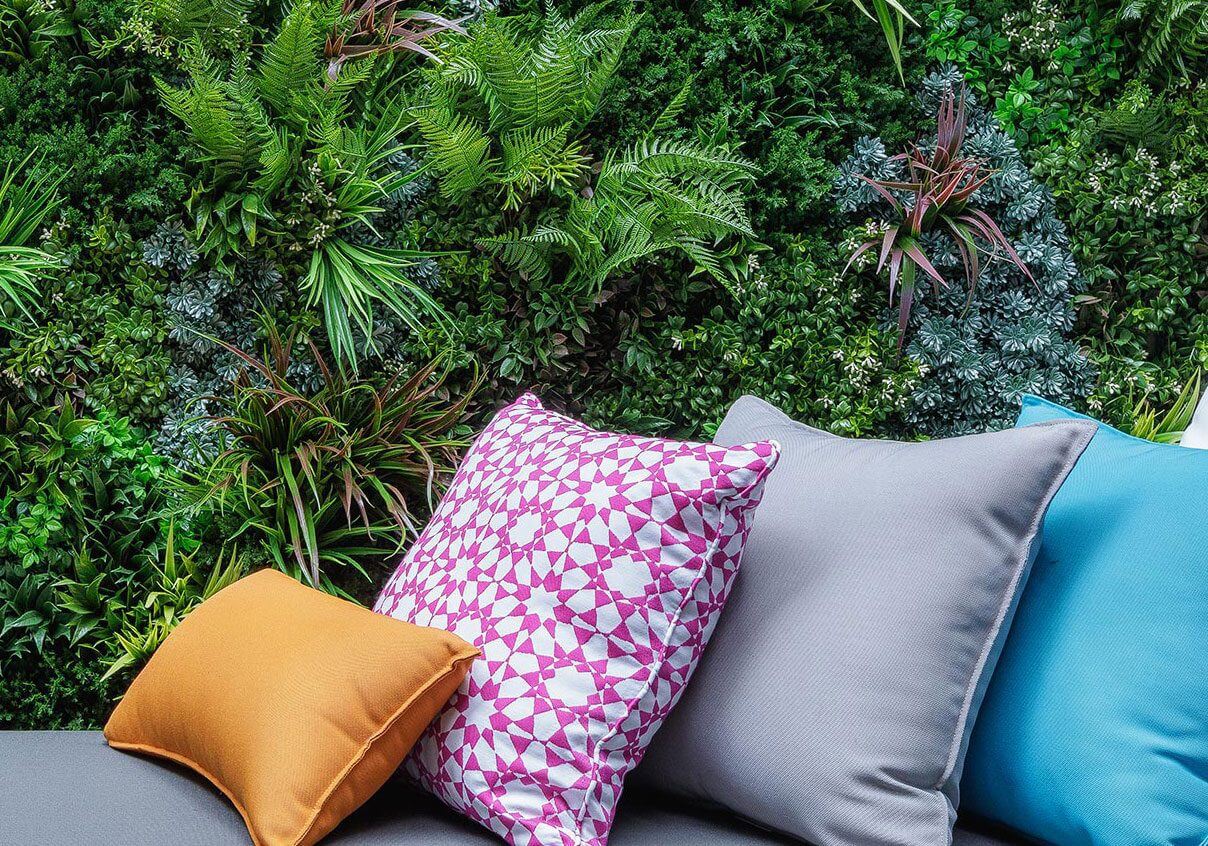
<point>706,561</point>
<point>341,777</point>
<point>1077,447</point>
<point>1069,415</point>
<point>185,760</point>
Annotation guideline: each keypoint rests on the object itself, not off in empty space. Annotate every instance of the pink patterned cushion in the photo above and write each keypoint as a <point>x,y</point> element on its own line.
<point>590,569</point>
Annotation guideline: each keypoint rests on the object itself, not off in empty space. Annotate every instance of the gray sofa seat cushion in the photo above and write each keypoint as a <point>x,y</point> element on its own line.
<point>71,789</point>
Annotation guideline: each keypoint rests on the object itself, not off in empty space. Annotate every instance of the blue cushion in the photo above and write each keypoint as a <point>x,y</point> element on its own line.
<point>1095,725</point>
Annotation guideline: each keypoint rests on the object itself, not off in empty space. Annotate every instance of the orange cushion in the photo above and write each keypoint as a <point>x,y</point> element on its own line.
<point>295,704</point>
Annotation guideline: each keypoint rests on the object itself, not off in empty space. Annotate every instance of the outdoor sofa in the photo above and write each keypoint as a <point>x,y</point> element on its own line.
<point>68,788</point>
<point>784,722</point>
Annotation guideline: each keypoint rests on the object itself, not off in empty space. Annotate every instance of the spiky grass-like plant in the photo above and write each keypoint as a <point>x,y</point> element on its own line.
<point>25,203</point>
<point>373,27</point>
<point>326,479</point>
<point>892,17</point>
<point>1167,429</point>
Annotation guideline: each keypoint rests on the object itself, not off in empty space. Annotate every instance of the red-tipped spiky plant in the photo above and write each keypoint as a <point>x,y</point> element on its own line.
<point>368,27</point>
<point>939,187</point>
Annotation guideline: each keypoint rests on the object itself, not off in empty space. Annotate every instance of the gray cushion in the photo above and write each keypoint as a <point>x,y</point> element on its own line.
<point>837,694</point>
<point>70,789</point>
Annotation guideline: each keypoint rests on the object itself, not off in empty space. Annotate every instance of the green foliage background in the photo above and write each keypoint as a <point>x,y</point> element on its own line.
<point>89,391</point>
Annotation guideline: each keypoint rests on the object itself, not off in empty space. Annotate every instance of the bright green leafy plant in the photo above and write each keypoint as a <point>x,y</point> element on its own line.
<point>28,26</point>
<point>892,17</point>
<point>127,635</point>
<point>507,113</point>
<point>293,144</point>
<point>73,491</point>
<point>1169,427</point>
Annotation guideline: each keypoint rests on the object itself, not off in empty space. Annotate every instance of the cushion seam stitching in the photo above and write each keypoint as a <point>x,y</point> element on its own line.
<point>1078,447</point>
<point>665,643</point>
<point>342,776</point>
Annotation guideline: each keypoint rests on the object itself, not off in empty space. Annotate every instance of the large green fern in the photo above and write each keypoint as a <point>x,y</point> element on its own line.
<point>277,127</point>
<point>657,196</point>
<point>458,148</point>
<point>1174,36</point>
<point>508,113</point>
<point>507,109</point>
<point>224,115</point>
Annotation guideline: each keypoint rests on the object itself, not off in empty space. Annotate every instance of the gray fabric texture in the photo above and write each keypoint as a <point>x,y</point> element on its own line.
<point>835,700</point>
<point>70,789</point>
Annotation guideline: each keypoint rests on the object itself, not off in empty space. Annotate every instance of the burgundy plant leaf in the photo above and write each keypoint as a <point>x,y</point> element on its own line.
<point>380,26</point>
<point>895,269</point>
<point>914,218</point>
<point>915,254</point>
<point>1001,240</point>
<point>968,189</point>
<point>893,201</point>
<point>966,248</point>
<point>896,186</point>
<point>891,235</point>
<point>904,307</point>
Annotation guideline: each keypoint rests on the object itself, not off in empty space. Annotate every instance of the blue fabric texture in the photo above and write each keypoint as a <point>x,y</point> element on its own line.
<point>1094,729</point>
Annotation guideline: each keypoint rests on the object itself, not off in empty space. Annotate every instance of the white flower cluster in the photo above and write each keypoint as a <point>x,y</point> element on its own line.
<point>1037,33</point>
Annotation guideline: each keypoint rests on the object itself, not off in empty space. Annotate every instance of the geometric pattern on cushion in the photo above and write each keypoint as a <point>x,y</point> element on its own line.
<point>590,569</point>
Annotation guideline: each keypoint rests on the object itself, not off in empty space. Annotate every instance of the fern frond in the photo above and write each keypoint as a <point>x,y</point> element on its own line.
<point>610,45</point>
<point>682,158</point>
<point>529,253</point>
<point>490,63</point>
<point>457,148</point>
<point>278,158</point>
<point>530,97</point>
<point>549,89</point>
<point>698,206</point>
<point>228,126</point>
<point>330,104</point>
<point>530,82</point>
<point>705,256</point>
<point>668,118</point>
<point>1175,39</point>
<point>292,59</point>
<point>628,238</point>
<point>533,158</point>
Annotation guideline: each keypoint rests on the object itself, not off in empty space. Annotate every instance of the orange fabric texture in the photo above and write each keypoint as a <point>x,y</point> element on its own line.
<point>295,704</point>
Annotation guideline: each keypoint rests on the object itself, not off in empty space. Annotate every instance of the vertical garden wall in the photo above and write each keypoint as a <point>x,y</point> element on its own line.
<point>267,265</point>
